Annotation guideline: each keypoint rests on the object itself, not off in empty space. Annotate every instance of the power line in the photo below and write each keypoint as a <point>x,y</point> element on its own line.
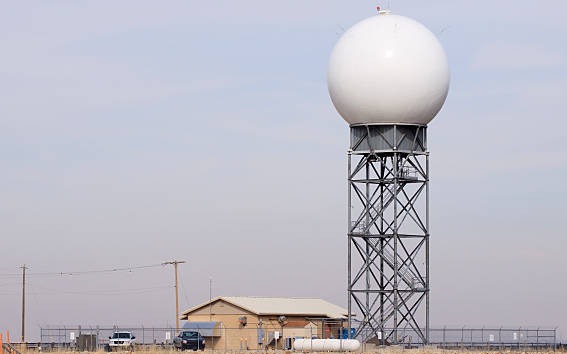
<point>184,290</point>
<point>143,290</point>
<point>9,284</point>
<point>83,272</point>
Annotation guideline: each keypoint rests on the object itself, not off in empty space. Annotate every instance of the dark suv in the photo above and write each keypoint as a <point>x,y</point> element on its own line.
<point>189,340</point>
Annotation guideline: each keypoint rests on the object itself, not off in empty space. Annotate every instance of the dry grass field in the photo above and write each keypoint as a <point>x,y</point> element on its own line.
<point>377,351</point>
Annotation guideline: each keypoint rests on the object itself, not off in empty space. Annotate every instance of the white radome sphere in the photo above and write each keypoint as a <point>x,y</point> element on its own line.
<point>388,69</point>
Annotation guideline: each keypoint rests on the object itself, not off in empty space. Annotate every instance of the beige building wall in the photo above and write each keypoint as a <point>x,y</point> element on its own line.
<point>234,336</point>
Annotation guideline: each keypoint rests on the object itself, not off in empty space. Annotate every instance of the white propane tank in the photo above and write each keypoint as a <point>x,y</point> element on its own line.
<point>326,345</point>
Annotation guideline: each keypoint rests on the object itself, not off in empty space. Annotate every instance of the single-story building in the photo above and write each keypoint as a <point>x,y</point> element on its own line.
<point>237,323</point>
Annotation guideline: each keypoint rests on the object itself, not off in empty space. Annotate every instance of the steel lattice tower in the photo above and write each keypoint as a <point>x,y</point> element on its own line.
<point>388,78</point>
<point>388,234</point>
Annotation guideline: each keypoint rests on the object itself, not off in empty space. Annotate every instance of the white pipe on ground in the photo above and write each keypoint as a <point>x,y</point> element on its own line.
<point>326,345</point>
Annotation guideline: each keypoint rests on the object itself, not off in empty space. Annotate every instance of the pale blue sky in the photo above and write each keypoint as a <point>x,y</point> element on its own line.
<point>137,132</point>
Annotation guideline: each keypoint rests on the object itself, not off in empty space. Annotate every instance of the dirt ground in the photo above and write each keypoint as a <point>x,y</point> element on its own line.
<point>377,351</point>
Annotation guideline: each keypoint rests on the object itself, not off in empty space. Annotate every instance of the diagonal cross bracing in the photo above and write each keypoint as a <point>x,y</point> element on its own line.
<point>388,280</point>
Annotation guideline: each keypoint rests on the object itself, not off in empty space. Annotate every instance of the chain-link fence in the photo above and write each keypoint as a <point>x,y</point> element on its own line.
<point>219,338</point>
<point>260,338</point>
<point>471,338</point>
<point>494,337</point>
<point>96,337</point>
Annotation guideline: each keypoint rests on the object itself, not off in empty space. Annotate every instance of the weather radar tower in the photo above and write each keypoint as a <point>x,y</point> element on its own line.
<point>388,77</point>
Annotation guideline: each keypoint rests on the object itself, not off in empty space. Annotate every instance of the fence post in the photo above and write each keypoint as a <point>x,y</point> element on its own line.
<point>311,337</point>
<point>500,344</point>
<point>555,339</point>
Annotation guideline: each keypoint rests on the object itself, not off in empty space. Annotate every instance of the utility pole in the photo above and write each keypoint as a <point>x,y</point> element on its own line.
<point>175,263</point>
<point>23,302</point>
<point>210,299</point>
